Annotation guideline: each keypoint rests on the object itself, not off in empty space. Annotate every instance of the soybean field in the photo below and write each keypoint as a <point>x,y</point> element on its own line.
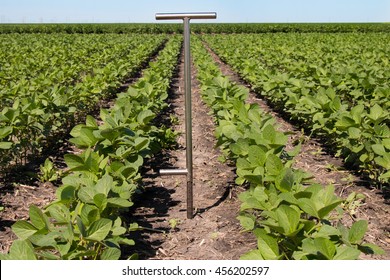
<point>291,130</point>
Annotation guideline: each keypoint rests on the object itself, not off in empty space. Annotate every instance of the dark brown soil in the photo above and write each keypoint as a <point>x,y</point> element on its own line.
<point>16,202</point>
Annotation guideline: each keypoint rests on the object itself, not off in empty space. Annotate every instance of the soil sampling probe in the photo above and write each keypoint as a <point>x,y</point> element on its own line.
<point>188,171</point>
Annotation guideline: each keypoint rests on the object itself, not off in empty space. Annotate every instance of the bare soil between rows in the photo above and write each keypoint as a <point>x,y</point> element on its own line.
<point>214,232</point>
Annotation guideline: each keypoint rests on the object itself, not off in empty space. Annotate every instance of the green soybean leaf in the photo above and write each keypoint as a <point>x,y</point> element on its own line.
<point>252,255</point>
<point>327,231</point>
<point>22,250</point>
<point>23,229</point>
<point>357,112</point>
<point>85,139</point>
<point>246,222</point>
<point>48,256</point>
<point>73,161</point>
<point>231,132</point>
<point>117,222</point>
<point>308,206</point>
<point>354,133</point>
<point>145,116</point>
<point>141,143</point>
<point>86,194</point>
<point>75,132</point>
<point>66,193</point>
<point>241,147</point>
<point>37,218</point>
<point>45,240</point>
<point>111,254</point>
<point>81,226</point>
<point>100,201</point>
<point>267,245</point>
<point>110,134</point>
<point>347,253</point>
<point>99,229</point>
<point>89,214</point>
<point>383,161</point>
<point>273,165</point>
<point>269,133</point>
<point>119,202</point>
<point>260,194</point>
<point>324,211</point>
<point>91,122</point>
<point>116,231</point>
<point>357,231</point>
<point>308,247</point>
<point>286,180</point>
<point>385,175</point>
<point>327,201</point>
<point>345,122</point>
<point>6,145</point>
<point>288,219</point>
<point>376,112</point>
<point>104,185</point>
<point>325,247</point>
<point>59,212</point>
<point>379,149</point>
<point>256,155</point>
<point>5,131</point>
<point>126,241</point>
<point>368,248</point>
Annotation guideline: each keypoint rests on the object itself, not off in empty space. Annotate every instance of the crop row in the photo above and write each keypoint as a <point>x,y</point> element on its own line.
<point>291,217</point>
<point>48,81</point>
<point>86,219</point>
<point>336,85</point>
<point>226,28</point>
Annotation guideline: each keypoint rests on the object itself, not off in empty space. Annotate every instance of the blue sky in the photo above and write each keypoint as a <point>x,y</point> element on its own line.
<point>69,11</point>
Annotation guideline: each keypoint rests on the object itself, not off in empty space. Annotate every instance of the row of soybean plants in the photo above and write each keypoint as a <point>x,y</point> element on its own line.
<point>291,217</point>
<point>225,28</point>
<point>48,81</point>
<point>336,85</point>
<point>86,219</point>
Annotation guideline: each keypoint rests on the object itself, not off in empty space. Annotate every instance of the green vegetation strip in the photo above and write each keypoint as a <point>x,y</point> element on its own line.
<point>336,85</point>
<point>291,217</point>
<point>225,28</point>
<point>49,82</point>
<point>85,221</point>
